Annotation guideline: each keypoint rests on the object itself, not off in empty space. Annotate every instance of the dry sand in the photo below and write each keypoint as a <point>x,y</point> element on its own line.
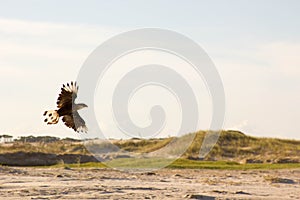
<point>60,183</point>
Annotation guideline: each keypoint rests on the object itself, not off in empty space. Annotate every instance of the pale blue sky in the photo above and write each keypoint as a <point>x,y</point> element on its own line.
<point>255,46</point>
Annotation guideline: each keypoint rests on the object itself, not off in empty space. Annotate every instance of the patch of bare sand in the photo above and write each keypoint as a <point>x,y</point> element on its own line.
<point>59,183</point>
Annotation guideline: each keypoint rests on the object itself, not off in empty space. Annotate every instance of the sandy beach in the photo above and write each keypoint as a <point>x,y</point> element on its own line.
<point>88,183</point>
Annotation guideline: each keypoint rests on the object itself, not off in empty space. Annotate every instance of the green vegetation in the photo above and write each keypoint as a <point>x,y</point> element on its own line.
<point>45,139</point>
<point>130,163</point>
<point>77,165</point>
<point>193,164</point>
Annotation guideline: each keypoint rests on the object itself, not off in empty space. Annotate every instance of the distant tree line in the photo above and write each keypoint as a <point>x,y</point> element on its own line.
<point>5,136</point>
<point>44,139</point>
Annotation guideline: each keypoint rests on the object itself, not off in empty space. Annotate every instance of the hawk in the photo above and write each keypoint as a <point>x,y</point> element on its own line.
<point>67,109</point>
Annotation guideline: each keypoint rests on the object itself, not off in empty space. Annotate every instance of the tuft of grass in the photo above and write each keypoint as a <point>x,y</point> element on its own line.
<point>87,165</point>
<point>75,165</point>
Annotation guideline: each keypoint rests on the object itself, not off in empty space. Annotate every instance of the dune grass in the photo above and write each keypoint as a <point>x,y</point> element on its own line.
<point>231,146</point>
<point>57,147</point>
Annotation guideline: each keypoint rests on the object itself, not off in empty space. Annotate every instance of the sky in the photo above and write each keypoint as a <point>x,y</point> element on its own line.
<point>255,46</point>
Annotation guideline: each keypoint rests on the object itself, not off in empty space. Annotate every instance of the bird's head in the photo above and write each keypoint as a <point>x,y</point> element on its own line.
<point>80,106</point>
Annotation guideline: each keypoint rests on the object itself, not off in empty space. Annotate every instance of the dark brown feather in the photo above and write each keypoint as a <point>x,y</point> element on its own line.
<point>75,122</point>
<point>67,97</point>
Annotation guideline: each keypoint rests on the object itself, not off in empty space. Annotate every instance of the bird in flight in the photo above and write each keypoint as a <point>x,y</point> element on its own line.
<point>67,109</point>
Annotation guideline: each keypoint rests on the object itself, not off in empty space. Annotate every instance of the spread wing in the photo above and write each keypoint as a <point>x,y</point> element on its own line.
<point>67,95</point>
<point>75,122</point>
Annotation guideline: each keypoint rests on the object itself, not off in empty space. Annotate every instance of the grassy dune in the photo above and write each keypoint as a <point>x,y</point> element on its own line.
<point>233,150</point>
<point>231,146</point>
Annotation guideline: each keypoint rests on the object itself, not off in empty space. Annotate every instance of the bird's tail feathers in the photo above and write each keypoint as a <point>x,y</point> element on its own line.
<point>52,117</point>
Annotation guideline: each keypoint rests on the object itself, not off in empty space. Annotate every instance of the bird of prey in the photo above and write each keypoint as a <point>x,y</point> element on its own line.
<point>67,109</point>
